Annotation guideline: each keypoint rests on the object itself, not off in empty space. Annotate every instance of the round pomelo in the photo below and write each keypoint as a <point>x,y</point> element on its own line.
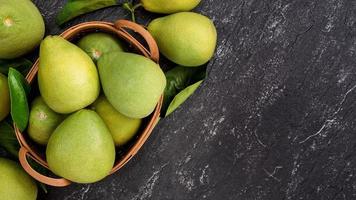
<point>186,38</point>
<point>122,128</point>
<point>97,44</point>
<point>21,28</point>
<point>132,83</point>
<point>169,6</point>
<point>42,122</point>
<point>67,78</point>
<point>15,184</point>
<point>81,148</point>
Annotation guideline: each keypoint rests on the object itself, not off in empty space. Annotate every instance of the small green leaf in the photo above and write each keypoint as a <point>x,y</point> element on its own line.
<point>8,139</point>
<point>18,76</point>
<point>74,8</point>
<point>21,64</point>
<point>19,105</point>
<point>179,78</point>
<point>182,97</point>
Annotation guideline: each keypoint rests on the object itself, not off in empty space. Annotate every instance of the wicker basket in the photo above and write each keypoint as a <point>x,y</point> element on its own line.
<point>122,29</point>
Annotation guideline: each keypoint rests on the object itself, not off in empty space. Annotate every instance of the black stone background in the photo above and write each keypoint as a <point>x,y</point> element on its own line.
<point>274,119</point>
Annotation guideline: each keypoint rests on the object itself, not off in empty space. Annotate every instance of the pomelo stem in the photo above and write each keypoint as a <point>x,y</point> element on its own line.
<point>137,6</point>
<point>132,8</point>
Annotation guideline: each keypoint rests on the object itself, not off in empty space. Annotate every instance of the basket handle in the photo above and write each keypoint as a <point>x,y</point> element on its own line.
<point>61,182</point>
<point>153,51</point>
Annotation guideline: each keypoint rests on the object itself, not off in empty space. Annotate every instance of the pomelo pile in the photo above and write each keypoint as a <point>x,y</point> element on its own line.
<point>94,94</point>
<point>85,109</point>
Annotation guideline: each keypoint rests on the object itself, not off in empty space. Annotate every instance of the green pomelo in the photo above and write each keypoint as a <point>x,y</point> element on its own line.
<point>21,28</point>
<point>97,44</point>
<point>186,38</point>
<point>81,149</point>
<point>43,121</point>
<point>4,97</point>
<point>122,128</point>
<point>169,6</point>
<point>67,77</point>
<point>132,83</point>
<point>15,183</point>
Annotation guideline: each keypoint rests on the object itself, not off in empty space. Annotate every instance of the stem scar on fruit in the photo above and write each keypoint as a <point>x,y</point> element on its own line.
<point>8,21</point>
<point>96,53</point>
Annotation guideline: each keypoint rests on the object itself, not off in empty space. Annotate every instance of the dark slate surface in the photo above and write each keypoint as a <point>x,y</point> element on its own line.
<point>274,120</point>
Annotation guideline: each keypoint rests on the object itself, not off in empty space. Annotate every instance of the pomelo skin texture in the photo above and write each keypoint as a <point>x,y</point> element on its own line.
<point>21,28</point>
<point>43,121</point>
<point>132,83</point>
<point>81,149</point>
<point>15,183</point>
<point>169,6</point>
<point>97,44</point>
<point>122,128</point>
<point>4,97</point>
<point>186,38</point>
<point>67,77</point>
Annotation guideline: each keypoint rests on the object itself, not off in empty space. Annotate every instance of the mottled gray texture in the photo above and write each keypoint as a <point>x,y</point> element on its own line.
<point>274,120</point>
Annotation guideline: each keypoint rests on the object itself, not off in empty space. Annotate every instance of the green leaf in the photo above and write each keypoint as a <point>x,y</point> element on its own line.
<point>8,139</point>
<point>21,64</point>
<point>182,97</point>
<point>179,78</point>
<point>18,76</point>
<point>74,8</point>
<point>19,105</point>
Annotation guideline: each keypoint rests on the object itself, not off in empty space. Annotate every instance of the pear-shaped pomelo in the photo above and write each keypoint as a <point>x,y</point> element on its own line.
<point>169,6</point>
<point>132,83</point>
<point>4,97</point>
<point>81,149</point>
<point>15,183</point>
<point>43,121</point>
<point>67,77</point>
<point>122,128</point>
<point>186,38</point>
<point>96,44</point>
<point>21,28</point>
